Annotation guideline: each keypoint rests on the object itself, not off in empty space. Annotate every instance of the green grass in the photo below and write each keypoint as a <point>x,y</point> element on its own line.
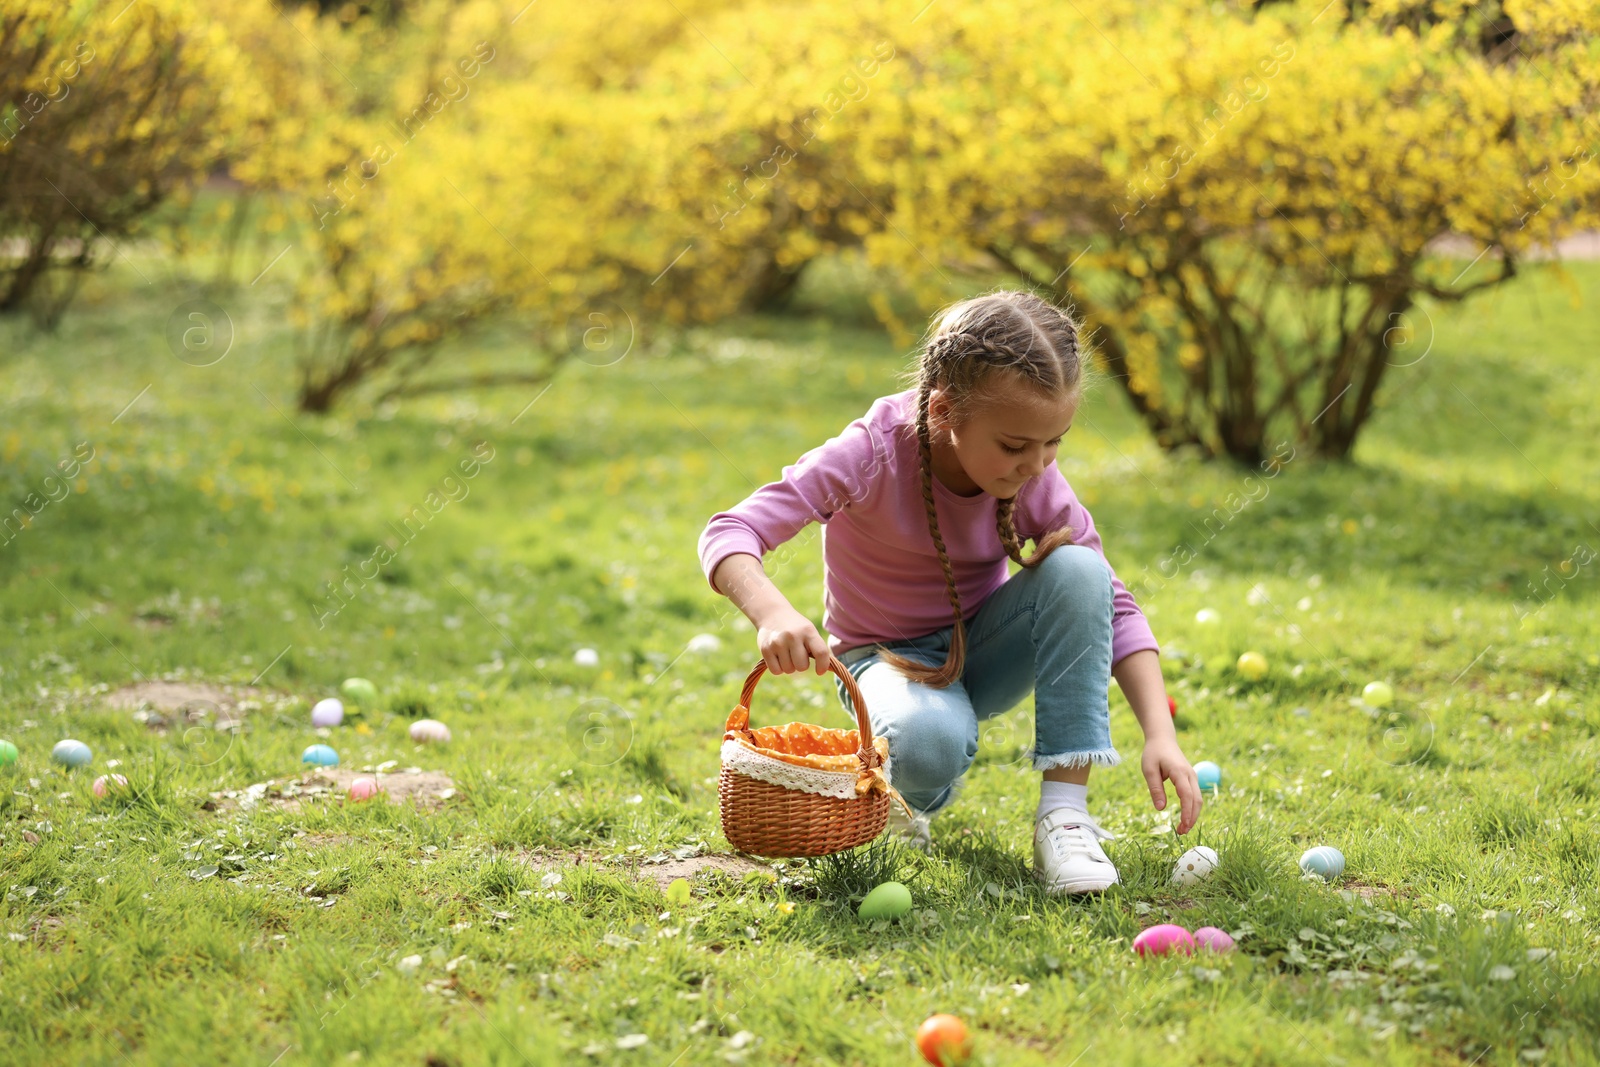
<point>198,542</point>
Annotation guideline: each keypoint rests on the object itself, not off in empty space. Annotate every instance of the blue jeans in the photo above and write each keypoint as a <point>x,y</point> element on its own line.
<point>1051,623</point>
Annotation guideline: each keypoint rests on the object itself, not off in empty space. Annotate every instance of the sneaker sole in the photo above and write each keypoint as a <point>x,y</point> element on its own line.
<point>1091,886</point>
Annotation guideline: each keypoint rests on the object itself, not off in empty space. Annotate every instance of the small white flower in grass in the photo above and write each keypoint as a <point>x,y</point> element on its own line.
<point>1444,909</point>
<point>741,1039</point>
<point>632,1041</point>
<point>409,963</point>
<point>701,643</point>
<point>586,657</point>
<point>1501,973</point>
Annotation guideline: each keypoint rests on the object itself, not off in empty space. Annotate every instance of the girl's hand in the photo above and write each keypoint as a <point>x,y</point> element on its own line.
<point>1164,760</point>
<point>788,641</point>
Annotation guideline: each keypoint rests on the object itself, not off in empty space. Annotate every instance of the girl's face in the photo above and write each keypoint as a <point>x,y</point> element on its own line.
<point>1014,438</point>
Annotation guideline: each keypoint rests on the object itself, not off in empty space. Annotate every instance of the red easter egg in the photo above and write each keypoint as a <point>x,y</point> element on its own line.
<point>944,1041</point>
<point>1163,938</point>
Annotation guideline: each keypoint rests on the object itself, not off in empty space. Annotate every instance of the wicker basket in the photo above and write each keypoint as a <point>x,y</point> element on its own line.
<point>799,789</point>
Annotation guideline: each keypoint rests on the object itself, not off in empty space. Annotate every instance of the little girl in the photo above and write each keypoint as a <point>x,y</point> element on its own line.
<point>922,501</point>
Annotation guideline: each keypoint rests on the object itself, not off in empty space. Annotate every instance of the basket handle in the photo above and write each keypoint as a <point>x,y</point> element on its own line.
<point>739,718</point>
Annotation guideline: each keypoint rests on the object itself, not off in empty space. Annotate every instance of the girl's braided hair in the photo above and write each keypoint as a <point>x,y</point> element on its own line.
<point>981,349</point>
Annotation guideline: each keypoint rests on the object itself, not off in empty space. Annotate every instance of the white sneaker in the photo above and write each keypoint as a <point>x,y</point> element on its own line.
<point>1067,857</point>
<point>914,832</point>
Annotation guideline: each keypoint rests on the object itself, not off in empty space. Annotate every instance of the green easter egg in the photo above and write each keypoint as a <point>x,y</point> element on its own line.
<point>891,900</point>
<point>360,692</point>
<point>8,754</point>
<point>678,892</point>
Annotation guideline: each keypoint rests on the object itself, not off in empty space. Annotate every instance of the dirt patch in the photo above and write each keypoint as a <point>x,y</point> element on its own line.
<point>310,841</point>
<point>1370,893</point>
<point>663,874</point>
<point>660,869</point>
<point>159,704</point>
<point>426,789</point>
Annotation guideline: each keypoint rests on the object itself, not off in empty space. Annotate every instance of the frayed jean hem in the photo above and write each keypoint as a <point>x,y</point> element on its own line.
<point>1100,757</point>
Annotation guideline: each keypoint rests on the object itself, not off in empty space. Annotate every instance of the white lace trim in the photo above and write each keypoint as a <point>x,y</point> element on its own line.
<point>745,760</point>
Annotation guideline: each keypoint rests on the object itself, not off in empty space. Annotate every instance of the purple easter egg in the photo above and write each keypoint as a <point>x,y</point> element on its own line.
<point>1163,938</point>
<point>1212,938</point>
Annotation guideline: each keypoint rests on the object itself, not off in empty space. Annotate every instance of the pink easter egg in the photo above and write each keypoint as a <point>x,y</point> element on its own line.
<point>102,784</point>
<point>1163,938</point>
<point>363,789</point>
<point>1212,938</point>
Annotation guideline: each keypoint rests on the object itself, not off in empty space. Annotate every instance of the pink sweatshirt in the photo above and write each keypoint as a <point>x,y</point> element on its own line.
<point>881,575</point>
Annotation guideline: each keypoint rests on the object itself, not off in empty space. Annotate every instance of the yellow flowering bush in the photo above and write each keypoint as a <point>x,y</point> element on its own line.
<point>105,112</point>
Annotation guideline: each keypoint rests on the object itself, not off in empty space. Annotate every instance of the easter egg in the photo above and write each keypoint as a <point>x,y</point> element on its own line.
<point>424,731</point>
<point>1163,938</point>
<point>8,754</point>
<point>1207,617</point>
<point>1194,866</point>
<point>1378,694</point>
<point>1212,938</point>
<point>329,712</point>
<point>1209,774</point>
<point>360,692</point>
<point>944,1041</point>
<point>678,892</point>
<point>107,782</point>
<point>320,756</point>
<point>1324,860</point>
<point>71,753</point>
<point>1172,705</point>
<point>891,900</point>
<point>363,789</point>
<point>1253,665</point>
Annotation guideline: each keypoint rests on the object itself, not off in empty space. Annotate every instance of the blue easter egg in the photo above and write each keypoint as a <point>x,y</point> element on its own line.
<point>72,753</point>
<point>321,756</point>
<point>1324,860</point>
<point>1209,773</point>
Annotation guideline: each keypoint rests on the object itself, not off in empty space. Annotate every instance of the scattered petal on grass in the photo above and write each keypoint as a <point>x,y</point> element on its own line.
<point>741,1039</point>
<point>409,963</point>
<point>1501,973</point>
<point>632,1040</point>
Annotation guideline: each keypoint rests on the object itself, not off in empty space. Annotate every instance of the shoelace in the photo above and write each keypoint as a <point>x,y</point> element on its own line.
<point>1080,825</point>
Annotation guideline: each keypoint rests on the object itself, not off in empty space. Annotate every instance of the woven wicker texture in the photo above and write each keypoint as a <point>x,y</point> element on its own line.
<point>766,819</point>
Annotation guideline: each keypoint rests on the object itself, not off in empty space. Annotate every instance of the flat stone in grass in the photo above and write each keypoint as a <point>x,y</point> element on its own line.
<point>426,789</point>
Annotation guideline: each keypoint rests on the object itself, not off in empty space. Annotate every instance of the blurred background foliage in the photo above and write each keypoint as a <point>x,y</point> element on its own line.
<point>1253,205</point>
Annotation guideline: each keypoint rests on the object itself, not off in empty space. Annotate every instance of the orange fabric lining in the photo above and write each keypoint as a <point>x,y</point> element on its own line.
<point>806,745</point>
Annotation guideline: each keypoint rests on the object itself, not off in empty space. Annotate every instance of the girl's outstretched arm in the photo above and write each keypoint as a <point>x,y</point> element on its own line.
<point>786,638</point>
<point>1139,675</point>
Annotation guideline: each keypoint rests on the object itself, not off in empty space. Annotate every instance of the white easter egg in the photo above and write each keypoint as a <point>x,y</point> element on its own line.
<point>704,643</point>
<point>1194,866</point>
<point>425,731</point>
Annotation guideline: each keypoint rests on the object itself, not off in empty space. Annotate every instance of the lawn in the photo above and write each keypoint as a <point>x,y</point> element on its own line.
<point>516,915</point>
